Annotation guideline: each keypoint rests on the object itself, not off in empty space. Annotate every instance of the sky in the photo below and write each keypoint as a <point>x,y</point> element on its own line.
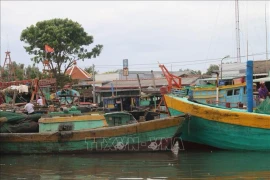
<point>179,34</point>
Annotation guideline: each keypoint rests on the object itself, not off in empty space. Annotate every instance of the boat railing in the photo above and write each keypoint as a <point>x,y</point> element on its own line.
<point>227,104</point>
<point>179,92</point>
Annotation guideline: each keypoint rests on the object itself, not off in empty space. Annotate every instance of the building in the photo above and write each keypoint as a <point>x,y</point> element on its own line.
<point>78,73</point>
<point>147,74</point>
<point>261,69</point>
<point>131,87</point>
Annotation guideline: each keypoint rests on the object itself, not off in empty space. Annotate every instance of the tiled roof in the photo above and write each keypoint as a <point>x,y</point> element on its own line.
<point>78,73</point>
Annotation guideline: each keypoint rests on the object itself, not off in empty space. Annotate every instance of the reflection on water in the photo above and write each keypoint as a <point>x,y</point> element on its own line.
<point>204,165</point>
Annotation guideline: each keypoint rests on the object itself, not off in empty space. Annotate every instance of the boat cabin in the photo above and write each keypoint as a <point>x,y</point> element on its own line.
<point>71,123</point>
<point>121,103</point>
<point>67,122</point>
<point>119,118</point>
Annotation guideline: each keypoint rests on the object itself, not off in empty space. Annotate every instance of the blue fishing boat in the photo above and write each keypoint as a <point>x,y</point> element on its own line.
<point>67,96</point>
<point>228,95</point>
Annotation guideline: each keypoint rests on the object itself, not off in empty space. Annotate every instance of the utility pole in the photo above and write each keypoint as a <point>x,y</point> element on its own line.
<point>221,64</point>
<point>153,79</point>
<point>139,82</point>
<point>94,88</point>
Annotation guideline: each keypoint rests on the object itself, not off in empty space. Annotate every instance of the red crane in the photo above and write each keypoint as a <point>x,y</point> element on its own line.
<point>173,80</point>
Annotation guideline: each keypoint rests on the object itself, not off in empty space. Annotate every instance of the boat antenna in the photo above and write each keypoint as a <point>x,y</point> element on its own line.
<point>237,31</point>
<point>247,30</point>
<point>266,31</point>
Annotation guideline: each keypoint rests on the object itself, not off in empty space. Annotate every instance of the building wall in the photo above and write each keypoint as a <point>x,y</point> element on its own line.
<point>107,77</point>
<point>234,69</point>
<point>142,75</point>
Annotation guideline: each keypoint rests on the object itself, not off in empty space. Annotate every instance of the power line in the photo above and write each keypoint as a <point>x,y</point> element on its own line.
<point>181,63</point>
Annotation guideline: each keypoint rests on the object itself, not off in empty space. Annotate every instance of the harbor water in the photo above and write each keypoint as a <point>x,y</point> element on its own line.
<point>165,165</point>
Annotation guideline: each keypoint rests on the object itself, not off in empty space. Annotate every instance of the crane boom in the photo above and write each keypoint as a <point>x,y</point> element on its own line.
<point>173,81</point>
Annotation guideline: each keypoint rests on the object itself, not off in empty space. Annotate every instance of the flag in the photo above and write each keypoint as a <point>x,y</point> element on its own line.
<point>48,49</point>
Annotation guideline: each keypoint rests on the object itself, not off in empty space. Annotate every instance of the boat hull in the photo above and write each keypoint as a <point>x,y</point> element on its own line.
<point>221,128</point>
<point>154,135</point>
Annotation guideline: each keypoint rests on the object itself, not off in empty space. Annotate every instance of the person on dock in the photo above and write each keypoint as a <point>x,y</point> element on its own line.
<point>2,98</point>
<point>29,107</point>
<point>75,99</point>
<point>263,92</point>
<point>40,101</point>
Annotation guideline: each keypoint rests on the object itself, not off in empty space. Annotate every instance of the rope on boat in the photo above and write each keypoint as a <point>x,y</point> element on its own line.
<point>188,117</point>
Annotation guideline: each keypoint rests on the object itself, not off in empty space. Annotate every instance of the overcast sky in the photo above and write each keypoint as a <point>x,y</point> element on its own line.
<point>179,34</point>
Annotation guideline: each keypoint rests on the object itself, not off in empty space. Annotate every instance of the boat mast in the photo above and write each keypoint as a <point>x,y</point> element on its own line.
<point>266,32</point>
<point>237,32</point>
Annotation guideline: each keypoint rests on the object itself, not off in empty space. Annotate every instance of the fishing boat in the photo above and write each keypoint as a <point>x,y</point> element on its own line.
<point>111,132</point>
<point>228,96</point>
<point>139,106</point>
<point>224,128</point>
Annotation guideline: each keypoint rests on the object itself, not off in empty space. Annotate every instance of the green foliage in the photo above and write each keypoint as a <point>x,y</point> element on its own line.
<point>21,72</point>
<point>110,72</point>
<point>90,70</point>
<point>32,72</point>
<point>68,38</point>
<point>190,71</point>
<point>212,68</point>
<point>63,79</point>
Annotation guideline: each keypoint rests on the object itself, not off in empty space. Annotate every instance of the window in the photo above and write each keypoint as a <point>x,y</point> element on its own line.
<point>236,91</point>
<point>117,121</point>
<point>229,92</point>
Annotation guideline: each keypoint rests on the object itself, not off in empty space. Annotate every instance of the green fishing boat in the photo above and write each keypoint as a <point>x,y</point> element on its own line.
<point>224,128</point>
<point>112,132</point>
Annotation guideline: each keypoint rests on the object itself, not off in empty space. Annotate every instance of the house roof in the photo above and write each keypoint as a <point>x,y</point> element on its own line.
<point>145,83</point>
<point>78,73</point>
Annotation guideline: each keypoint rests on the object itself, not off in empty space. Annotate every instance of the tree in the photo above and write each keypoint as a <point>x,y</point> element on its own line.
<point>90,70</point>
<point>113,71</point>
<point>21,72</point>
<point>68,38</point>
<point>32,72</point>
<point>190,71</point>
<point>212,68</point>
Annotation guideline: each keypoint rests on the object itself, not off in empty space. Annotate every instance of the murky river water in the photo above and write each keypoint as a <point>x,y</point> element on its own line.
<point>165,165</point>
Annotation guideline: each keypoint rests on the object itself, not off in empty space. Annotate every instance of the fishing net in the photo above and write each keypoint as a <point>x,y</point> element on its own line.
<point>11,122</point>
<point>17,117</point>
<point>12,117</point>
<point>264,107</point>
